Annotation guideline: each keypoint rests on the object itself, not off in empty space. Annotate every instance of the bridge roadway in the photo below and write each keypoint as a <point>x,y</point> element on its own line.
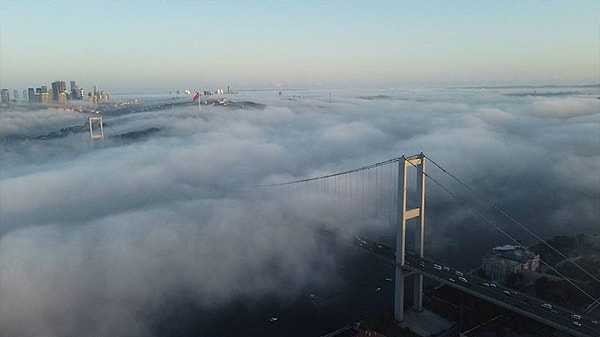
<point>576,324</point>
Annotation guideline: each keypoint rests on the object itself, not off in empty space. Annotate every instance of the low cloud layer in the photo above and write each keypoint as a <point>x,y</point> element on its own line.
<point>94,233</point>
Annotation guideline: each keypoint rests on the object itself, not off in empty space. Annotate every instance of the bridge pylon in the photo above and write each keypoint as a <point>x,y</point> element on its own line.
<point>417,161</point>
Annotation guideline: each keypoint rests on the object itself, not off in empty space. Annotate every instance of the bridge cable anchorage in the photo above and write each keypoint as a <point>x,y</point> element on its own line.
<point>513,219</point>
<point>501,230</point>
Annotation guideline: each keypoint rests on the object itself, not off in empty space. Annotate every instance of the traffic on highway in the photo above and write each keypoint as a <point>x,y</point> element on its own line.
<point>575,322</point>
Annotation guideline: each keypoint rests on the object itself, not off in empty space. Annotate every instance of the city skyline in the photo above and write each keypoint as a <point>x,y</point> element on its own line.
<point>57,92</point>
<point>163,46</point>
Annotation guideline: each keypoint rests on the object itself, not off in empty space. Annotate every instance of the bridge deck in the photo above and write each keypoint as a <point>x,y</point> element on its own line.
<point>576,324</point>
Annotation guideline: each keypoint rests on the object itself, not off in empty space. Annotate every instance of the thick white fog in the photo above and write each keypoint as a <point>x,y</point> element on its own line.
<point>95,232</point>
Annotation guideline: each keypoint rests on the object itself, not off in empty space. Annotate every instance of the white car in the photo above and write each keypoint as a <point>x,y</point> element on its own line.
<point>486,284</point>
<point>576,323</point>
<point>547,306</point>
<point>575,316</point>
<point>462,279</point>
<point>451,279</point>
<point>459,273</point>
<point>507,292</point>
<point>437,267</point>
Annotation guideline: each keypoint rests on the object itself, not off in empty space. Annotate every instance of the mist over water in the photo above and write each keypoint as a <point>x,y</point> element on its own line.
<point>102,237</point>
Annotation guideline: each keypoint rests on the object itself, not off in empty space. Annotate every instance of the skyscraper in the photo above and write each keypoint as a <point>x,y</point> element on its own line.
<point>58,87</point>
<point>5,96</point>
<point>31,95</point>
<point>75,91</point>
<point>15,94</point>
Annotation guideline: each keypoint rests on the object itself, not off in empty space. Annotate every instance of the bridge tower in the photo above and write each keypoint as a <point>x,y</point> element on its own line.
<point>96,127</point>
<point>417,161</point>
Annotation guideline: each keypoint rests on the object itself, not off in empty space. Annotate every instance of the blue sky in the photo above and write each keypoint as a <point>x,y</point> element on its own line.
<point>163,45</point>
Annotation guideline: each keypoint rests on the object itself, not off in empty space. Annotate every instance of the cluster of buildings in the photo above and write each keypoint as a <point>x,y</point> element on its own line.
<point>57,93</point>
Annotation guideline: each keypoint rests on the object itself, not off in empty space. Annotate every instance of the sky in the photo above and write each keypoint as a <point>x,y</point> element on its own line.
<point>101,237</point>
<point>156,46</point>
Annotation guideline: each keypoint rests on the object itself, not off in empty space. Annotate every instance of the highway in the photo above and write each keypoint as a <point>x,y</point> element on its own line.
<point>575,323</point>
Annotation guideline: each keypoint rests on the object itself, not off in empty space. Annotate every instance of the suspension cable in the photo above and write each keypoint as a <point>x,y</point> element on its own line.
<point>498,228</point>
<point>382,163</point>
<point>511,218</point>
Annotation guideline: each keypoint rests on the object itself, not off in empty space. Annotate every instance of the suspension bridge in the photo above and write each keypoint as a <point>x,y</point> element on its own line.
<point>378,195</point>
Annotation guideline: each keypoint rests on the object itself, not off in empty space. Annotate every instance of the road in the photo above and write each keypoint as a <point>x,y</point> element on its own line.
<point>574,323</point>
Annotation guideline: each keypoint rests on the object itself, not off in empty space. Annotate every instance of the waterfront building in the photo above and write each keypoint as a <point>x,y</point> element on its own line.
<point>508,259</point>
<point>15,94</point>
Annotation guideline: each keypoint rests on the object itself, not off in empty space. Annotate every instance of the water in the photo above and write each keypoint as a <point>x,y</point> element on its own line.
<point>360,290</point>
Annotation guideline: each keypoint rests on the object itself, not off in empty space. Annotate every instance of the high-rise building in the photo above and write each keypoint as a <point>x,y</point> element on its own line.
<point>45,98</point>
<point>58,87</point>
<point>44,89</point>
<point>31,95</point>
<point>62,98</point>
<point>15,94</point>
<point>5,96</point>
<point>24,95</point>
<point>75,91</point>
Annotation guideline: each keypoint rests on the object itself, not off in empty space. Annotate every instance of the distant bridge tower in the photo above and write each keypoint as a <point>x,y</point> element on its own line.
<point>404,164</point>
<point>96,127</point>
